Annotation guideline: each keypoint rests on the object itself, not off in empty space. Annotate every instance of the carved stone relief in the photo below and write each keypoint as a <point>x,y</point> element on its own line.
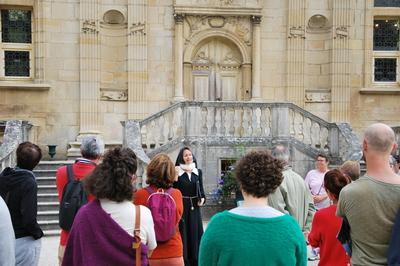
<point>137,29</point>
<point>296,32</point>
<point>239,25</point>
<point>89,26</point>
<point>113,95</point>
<point>318,96</point>
<point>341,32</point>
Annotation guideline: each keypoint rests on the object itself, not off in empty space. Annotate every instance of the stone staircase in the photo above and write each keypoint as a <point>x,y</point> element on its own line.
<point>47,196</point>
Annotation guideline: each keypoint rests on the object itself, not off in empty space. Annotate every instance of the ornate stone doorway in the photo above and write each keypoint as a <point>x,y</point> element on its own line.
<point>216,72</point>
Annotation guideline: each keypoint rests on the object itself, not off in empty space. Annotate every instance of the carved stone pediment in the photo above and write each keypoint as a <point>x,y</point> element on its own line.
<point>230,62</point>
<point>201,62</point>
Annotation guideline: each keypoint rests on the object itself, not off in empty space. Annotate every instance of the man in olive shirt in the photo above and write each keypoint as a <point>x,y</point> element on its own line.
<point>370,204</point>
<point>292,196</point>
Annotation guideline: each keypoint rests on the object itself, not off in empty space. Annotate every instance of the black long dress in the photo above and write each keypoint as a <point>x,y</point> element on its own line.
<point>191,226</point>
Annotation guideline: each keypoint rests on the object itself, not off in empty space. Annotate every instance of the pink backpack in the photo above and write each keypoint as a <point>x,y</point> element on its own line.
<point>163,210</point>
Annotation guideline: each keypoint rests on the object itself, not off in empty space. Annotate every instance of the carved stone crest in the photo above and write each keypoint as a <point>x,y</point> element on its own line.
<point>216,22</point>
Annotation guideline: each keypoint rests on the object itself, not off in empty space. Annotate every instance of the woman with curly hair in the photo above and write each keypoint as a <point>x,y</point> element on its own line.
<point>190,183</point>
<point>326,224</point>
<point>254,233</point>
<point>104,231</point>
<point>160,177</point>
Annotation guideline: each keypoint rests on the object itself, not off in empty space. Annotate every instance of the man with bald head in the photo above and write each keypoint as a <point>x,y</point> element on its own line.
<point>370,204</point>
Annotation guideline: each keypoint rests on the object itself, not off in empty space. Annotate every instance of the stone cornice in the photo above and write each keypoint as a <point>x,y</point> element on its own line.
<point>225,11</point>
<point>24,86</point>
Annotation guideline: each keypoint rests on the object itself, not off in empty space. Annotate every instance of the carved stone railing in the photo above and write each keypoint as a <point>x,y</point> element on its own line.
<point>255,123</point>
<point>15,132</point>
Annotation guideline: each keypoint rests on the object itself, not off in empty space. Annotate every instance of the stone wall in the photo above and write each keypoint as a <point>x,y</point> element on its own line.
<point>92,71</point>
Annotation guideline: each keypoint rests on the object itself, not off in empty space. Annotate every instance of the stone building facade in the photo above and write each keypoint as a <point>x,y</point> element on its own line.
<point>76,67</point>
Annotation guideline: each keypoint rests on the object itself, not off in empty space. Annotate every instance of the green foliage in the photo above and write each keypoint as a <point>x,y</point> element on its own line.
<point>228,184</point>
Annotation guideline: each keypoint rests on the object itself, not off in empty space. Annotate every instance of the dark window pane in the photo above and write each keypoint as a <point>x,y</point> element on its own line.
<point>16,63</point>
<point>386,35</point>
<point>16,26</point>
<point>388,3</point>
<point>385,69</point>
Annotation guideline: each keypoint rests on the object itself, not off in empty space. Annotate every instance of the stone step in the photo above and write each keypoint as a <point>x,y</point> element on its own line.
<point>52,165</point>
<point>46,197</point>
<point>47,215</point>
<point>52,232</point>
<point>49,225</point>
<point>48,206</point>
<point>46,180</point>
<point>45,173</point>
<point>47,189</point>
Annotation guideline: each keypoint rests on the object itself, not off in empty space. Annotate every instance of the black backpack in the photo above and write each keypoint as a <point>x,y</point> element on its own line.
<point>74,197</point>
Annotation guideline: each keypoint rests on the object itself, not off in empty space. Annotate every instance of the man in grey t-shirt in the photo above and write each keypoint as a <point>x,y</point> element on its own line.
<point>370,204</point>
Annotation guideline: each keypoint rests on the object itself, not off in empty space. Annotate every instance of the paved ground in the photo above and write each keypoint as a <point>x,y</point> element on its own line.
<point>48,256</point>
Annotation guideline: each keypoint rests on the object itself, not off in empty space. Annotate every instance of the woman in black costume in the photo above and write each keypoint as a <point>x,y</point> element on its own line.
<point>190,183</point>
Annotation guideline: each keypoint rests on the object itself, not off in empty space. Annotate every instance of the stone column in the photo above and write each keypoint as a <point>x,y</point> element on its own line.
<point>40,41</point>
<point>89,73</point>
<point>137,58</point>
<point>295,52</point>
<point>178,95</point>
<point>256,59</point>
<point>342,13</point>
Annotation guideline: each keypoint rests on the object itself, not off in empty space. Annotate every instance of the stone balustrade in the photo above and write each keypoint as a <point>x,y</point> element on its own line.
<point>15,132</point>
<point>241,123</point>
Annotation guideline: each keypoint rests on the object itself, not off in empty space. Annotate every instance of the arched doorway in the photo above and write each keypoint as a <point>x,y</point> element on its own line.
<point>216,72</point>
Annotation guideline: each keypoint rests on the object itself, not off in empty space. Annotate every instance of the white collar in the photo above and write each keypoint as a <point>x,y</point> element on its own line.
<point>181,171</point>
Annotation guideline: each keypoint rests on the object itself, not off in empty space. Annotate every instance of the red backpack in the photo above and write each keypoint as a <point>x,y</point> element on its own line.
<point>163,210</point>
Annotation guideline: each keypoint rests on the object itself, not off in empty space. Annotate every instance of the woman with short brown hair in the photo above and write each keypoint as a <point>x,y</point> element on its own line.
<point>160,177</point>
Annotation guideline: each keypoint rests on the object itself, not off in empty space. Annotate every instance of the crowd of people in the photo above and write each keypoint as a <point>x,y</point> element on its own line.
<point>105,220</point>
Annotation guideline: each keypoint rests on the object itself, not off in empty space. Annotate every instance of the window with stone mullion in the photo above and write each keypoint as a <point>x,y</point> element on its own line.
<point>387,3</point>
<point>386,35</point>
<point>16,39</point>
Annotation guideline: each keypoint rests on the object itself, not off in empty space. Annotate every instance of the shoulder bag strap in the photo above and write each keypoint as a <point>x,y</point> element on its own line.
<point>136,235</point>
<point>70,173</point>
<point>322,185</point>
